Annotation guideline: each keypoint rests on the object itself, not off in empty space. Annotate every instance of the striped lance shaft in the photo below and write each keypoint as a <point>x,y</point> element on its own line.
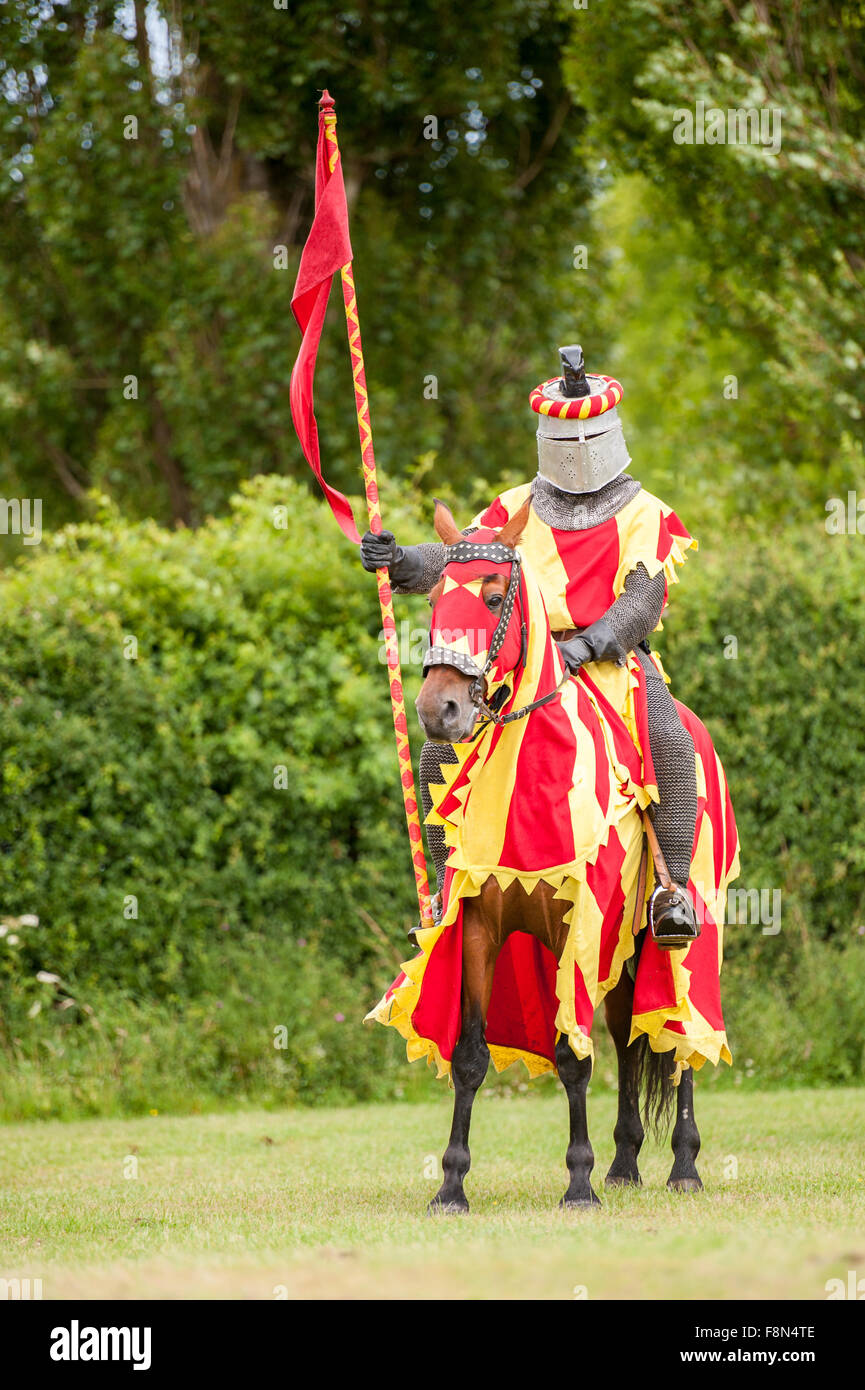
<point>385,597</point>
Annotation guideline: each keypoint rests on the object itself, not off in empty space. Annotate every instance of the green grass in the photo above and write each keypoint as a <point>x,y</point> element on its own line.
<point>331,1203</point>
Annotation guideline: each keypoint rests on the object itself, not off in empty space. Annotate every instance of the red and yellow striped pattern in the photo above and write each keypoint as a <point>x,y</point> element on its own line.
<point>581,573</point>
<point>582,408</point>
<point>556,798</point>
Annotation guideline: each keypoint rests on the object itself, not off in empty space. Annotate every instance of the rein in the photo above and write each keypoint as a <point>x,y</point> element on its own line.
<point>460,553</point>
<point>492,717</point>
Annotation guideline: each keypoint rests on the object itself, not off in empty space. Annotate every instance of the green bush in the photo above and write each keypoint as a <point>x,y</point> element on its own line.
<point>188,906</point>
<point>140,819</point>
<point>785,704</point>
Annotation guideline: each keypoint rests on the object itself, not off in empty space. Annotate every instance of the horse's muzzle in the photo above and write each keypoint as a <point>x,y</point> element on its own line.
<point>446,711</point>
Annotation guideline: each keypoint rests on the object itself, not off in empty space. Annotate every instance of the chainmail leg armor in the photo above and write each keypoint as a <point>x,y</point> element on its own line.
<point>675,772</point>
<point>433,757</point>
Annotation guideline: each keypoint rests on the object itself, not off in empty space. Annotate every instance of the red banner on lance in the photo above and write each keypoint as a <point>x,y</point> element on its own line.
<point>327,250</point>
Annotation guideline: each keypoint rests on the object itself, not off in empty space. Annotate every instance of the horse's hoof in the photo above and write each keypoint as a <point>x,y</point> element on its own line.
<point>452,1207</point>
<point>623,1180</point>
<point>572,1203</point>
<point>684,1184</point>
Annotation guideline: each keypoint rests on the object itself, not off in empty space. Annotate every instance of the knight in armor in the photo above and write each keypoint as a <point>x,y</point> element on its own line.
<point>603,551</point>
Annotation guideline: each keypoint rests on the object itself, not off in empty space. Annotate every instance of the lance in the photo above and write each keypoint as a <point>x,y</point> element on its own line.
<point>385,596</point>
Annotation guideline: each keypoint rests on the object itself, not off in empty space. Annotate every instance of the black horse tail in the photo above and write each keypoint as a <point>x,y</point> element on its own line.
<point>655,1071</point>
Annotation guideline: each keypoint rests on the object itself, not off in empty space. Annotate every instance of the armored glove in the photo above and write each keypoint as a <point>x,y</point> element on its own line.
<point>575,653</point>
<point>380,551</point>
<point>598,642</point>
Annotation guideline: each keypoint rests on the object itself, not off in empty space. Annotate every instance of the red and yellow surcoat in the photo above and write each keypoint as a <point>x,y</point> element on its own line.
<point>581,573</point>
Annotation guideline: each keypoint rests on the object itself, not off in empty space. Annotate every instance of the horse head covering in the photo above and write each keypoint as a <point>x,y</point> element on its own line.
<point>466,633</point>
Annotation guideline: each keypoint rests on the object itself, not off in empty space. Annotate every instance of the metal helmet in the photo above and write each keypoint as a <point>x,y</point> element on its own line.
<point>581,446</point>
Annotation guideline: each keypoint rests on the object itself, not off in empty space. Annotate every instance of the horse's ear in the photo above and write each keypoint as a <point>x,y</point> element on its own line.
<point>445,526</point>
<point>515,526</point>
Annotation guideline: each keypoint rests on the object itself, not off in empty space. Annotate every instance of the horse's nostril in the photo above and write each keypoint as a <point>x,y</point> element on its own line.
<point>450,711</point>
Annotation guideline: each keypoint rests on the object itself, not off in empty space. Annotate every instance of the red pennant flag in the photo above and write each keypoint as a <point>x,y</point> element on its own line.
<point>327,249</point>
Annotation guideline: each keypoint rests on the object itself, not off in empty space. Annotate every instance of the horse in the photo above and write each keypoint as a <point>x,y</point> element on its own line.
<point>541,922</point>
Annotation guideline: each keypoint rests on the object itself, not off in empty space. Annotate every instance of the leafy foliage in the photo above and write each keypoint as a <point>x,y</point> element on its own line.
<point>214,804</point>
<point>783,702</point>
<point>160,256</point>
<point>778,222</point>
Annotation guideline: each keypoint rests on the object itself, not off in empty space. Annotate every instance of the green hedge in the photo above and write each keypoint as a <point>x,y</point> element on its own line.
<point>787,713</point>
<point>153,779</point>
<point>257,648</point>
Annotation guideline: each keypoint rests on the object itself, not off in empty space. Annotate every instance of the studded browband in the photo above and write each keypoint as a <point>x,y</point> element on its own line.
<point>463,551</point>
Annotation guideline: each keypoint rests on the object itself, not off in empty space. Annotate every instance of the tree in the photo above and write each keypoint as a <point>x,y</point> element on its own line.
<point>778,215</point>
<point>158,188</point>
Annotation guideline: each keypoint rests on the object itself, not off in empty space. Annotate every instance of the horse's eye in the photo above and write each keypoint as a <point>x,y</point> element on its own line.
<point>494,601</point>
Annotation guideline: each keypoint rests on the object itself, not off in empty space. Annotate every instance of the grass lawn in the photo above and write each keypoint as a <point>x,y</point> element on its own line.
<point>330,1203</point>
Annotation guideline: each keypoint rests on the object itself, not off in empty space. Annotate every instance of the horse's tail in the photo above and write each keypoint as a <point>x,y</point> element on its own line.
<point>655,1083</point>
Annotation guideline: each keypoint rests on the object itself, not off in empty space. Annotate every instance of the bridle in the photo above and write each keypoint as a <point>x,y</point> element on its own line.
<point>498,553</point>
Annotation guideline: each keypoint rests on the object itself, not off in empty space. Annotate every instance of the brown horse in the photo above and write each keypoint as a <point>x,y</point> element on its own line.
<point>448,709</point>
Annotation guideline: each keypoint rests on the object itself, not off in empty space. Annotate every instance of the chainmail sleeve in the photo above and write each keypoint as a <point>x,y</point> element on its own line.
<point>637,610</point>
<point>431,555</point>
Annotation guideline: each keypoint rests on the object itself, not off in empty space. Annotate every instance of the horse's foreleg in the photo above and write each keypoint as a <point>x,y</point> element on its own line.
<point>686,1139</point>
<point>574,1076</point>
<point>629,1132</point>
<point>470,1060</point>
<point>468,1068</point>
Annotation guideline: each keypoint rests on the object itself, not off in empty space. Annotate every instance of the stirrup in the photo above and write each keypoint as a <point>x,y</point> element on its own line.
<point>435,903</point>
<point>672,920</point>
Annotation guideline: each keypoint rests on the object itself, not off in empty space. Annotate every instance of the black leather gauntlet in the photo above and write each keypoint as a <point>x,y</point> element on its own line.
<point>379,550</point>
<point>597,642</point>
